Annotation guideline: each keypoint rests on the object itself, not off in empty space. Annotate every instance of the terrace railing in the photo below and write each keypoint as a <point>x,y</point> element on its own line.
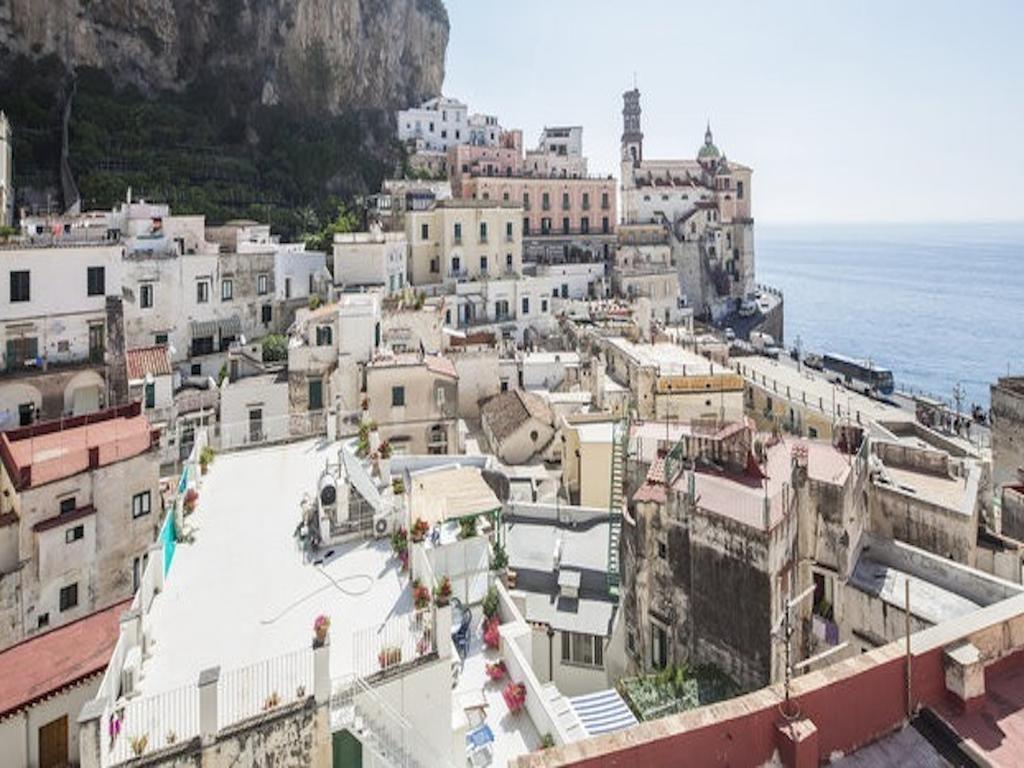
<point>247,691</point>
<point>397,641</point>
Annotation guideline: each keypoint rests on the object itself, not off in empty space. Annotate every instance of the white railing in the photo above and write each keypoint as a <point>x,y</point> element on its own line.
<point>149,723</point>
<point>247,691</point>
<point>379,727</point>
<point>398,641</point>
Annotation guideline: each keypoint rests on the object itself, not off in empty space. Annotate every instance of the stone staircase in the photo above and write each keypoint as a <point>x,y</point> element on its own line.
<point>620,436</point>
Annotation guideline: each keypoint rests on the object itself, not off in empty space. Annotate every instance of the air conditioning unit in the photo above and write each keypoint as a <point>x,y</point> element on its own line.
<point>129,681</point>
<point>383,524</point>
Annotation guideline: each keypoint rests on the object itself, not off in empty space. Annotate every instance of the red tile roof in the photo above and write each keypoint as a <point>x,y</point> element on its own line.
<point>44,665</point>
<point>143,360</point>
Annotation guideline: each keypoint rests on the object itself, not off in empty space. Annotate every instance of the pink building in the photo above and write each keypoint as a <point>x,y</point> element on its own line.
<point>564,219</point>
<point>468,160</point>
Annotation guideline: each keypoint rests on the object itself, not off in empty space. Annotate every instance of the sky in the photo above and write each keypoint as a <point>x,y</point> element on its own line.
<point>847,111</point>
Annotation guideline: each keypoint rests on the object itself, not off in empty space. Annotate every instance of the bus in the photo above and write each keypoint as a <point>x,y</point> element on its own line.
<point>861,376</point>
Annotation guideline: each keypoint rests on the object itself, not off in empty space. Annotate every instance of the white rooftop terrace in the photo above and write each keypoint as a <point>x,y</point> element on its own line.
<point>243,591</point>
<point>669,359</point>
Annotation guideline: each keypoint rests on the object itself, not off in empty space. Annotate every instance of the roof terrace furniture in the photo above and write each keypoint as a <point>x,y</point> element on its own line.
<point>479,743</point>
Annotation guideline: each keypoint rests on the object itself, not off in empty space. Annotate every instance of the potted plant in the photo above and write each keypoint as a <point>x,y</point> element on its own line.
<point>272,701</point>
<point>389,656</point>
<point>499,558</point>
<point>384,462</point>
<point>398,486</point>
<point>191,499</point>
<point>321,626</point>
<point>492,635</point>
<point>496,671</point>
<point>205,459</point>
<point>420,529</point>
<point>139,744</point>
<point>400,546</point>
<point>365,404</point>
<point>443,592</point>
<point>467,527</point>
<point>490,603</point>
<point>547,741</point>
<point>515,696</point>
<point>420,595</point>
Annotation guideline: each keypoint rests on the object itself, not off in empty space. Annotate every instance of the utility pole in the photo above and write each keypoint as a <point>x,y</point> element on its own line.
<point>785,625</point>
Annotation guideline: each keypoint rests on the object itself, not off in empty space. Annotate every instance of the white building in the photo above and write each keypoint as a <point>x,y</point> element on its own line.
<point>559,154</point>
<point>370,259</point>
<point>511,306</point>
<point>443,122</point>
<point>6,172</point>
<point>576,281</point>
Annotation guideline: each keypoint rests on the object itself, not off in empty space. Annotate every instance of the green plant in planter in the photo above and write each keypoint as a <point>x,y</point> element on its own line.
<point>443,592</point>
<point>547,741</point>
<point>400,541</point>
<point>499,558</point>
<point>490,604</point>
<point>206,457</point>
<point>467,527</point>
<point>398,486</point>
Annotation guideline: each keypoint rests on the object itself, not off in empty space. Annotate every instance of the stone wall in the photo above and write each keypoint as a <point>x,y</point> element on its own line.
<point>1007,431</point>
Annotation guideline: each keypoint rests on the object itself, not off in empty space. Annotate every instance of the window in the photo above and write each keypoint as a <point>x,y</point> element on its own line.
<point>71,535</point>
<point>160,338</point>
<point>202,292</point>
<point>424,231</point>
<point>150,393</point>
<point>504,385</point>
<point>397,397</point>
<point>565,201</point>
<point>68,597</point>
<point>526,305</point>
<point>262,285</point>
<point>579,648</point>
<point>146,296</point>
<point>227,290</point>
<point>287,287</point>
<point>316,394</point>
<point>324,335</point>
<point>95,281</point>
<point>483,264</point>
<point>526,226</point>
<point>604,225</point>
<point>739,190</point>
<point>67,505</point>
<point>545,201</point>
<point>526,201</point>
<point>19,285</point>
<point>312,287</point>
<point>141,504</point>
<point>458,232</point>
<point>543,305</point>
<point>662,549</point>
<point>565,225</point>
<point>509,235</point>
<point>456,264</point>
<point>508,261</point>
<point>43,620</point>
<point>266,314</point>
<point>659,646</point>
<point>483,231</point>
<point>604,201</point>
<point>586,201</point>
<point>585,225</point>
<point>202,345</point>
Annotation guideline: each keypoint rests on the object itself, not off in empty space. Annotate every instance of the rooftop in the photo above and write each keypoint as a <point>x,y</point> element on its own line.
<point>438,364</point>
<point>450,493</point>
<point>42,666</point>
<point>508,411</point>
<point>669,359</point>
<point>147,360</point>
<point>49,451</point>
<point>263,605</point>
<point>947,492</point>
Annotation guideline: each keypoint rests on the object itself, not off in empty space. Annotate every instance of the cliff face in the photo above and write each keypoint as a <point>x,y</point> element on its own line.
<point>311,55</point>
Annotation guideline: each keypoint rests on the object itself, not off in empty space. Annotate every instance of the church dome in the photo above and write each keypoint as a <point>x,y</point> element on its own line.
<point>708,151</point>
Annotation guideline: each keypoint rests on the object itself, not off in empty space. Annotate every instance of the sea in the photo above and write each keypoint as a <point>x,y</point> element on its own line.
<point>941,305</point>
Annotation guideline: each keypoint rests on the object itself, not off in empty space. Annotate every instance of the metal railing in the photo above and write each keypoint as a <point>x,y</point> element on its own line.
<point>247,691</point>
<point>398,641</point>
<point>148,723</point>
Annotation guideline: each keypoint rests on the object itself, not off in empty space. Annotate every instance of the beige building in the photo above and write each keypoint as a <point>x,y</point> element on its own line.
<point>80,508</point>
<point>588,443</point>
<point>518,425</point>
<point>669,382</point>
<point>370,259</point>
<point>464,240</point>
<point>413,400</point>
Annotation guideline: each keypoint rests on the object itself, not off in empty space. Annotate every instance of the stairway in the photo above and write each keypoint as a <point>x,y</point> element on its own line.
<point>620,436</point>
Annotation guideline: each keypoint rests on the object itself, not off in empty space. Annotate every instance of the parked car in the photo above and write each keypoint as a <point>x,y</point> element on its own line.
<point>748,308</point>
<point>730,334</point>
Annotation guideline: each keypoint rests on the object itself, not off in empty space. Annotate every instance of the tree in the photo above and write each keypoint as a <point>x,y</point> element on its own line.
<point>347,220</point>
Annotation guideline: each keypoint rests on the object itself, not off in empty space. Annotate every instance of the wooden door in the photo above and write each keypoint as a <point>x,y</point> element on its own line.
<point>53,743</point>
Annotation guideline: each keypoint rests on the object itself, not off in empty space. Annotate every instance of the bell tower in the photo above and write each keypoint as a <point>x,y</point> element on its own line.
<point>632,136</point>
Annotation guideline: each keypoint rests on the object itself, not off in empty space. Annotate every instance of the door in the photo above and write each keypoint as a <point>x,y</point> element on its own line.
<point>96,343</point>
<point>188,439</point>
<point>26,414</point>
<point>255,425</point>
<point>53,743</point>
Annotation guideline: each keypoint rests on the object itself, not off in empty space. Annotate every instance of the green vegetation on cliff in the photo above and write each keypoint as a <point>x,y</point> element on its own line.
<point>193,150</point>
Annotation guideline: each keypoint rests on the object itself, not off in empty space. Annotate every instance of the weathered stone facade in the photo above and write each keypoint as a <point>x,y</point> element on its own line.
<point>1007,431</point>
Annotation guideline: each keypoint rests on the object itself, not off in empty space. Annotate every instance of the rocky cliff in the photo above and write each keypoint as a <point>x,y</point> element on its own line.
<point>307,54</point>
